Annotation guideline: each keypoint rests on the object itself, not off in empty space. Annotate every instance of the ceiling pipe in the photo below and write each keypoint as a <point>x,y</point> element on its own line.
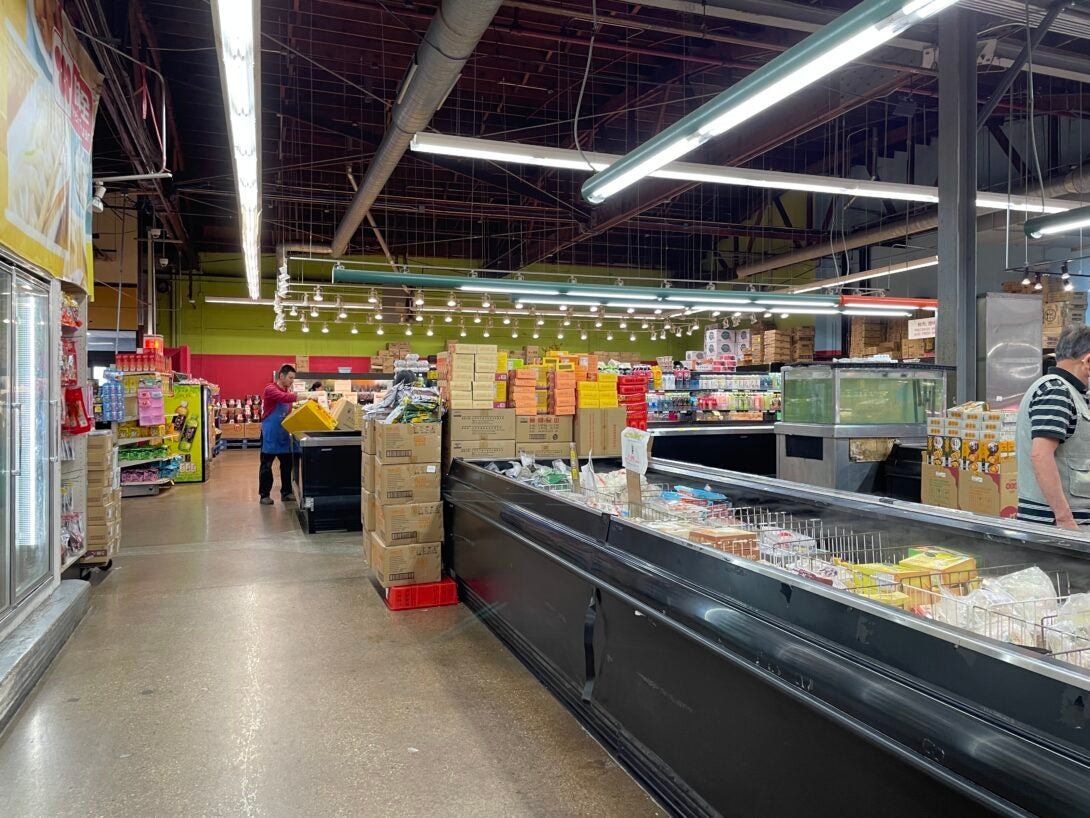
<point>1077,182</point>
<point>454,32</point>
<point>283,249</point>
<point>374,226</point>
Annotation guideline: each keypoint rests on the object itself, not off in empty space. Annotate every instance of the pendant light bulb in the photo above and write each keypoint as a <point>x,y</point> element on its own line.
<point>768,313</point>
<point>486,302</point>
<point>448,319</point>
<point>431,330</point>
<point>354,331</point>
<point>378,316</point>
<point>476,319</point>
<point>560,335</point>
<point>1025,280</point>
<point>318,294</point>
<point>408,330</point>
<point>1037,283</point>
<point>598,323</point>
<point>1065,274</point>
<point>582,335</point>
<point>643,325</point>
<point>506,320</point>
<point>380,331</point>
<point>461,329</point>
<point>313,312</point>
<point>452,301</point>
<point>325,329</point>
<point>418,299</point>
<point>293,312</point>
<point>632,337</point>
<point>418,318</point>
<point>372,297</point>
<point>783,315</point>
<point>566,322</point>
<point>623,324</point>
<point>609,335</point>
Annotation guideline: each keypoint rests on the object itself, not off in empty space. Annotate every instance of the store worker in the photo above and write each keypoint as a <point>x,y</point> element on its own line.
<point>1053,438</point>
<point>275,440</point>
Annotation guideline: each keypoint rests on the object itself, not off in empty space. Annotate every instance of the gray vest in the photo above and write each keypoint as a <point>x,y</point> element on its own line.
<point>1072,456</point>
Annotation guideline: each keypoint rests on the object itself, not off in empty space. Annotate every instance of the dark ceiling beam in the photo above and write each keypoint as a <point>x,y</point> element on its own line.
<point>118,95</point>
<point>856,86</point>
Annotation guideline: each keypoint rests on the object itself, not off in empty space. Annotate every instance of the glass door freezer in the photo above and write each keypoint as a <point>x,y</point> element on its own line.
<point>744,686</point>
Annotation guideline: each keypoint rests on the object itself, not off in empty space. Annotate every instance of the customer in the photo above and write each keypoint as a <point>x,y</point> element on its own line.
<point>275,440</point>
<point>1053,438</point>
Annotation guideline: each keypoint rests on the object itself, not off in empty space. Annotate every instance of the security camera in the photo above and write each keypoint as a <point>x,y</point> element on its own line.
<point>163,262</point>
<point>155,232</point>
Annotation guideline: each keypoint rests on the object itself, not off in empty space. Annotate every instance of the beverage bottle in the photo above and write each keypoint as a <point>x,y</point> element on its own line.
<point>180,415</point>
<point>188,434</point>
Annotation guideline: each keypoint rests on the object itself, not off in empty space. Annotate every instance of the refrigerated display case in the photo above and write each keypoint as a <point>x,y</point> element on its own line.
<point>764,685</point>
<point>29,436</point>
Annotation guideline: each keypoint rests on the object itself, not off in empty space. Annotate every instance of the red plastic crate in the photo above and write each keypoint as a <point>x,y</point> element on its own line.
<point>424,595</point>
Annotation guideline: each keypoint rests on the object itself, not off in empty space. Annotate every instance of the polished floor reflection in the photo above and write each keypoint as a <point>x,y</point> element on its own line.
<point>233,666</point>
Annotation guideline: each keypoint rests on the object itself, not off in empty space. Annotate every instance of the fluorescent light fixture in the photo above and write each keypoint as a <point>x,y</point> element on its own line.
<point>707,297</point>
<point>849,37</point>
<point>500,151</point>
<point>631,296</point>
<point>567,302</point>
<point>708,307</point>
<point>879,313</point>
<point>235,23</point>
<point>798,306</point>
<point>495,151</point>
<point>893,269</point>
<point>627,305</point>
<point>1068,222</point>
<point>499,288</point>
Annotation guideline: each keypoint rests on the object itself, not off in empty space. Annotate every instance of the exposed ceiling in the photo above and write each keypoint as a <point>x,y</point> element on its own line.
<point>331,69</point>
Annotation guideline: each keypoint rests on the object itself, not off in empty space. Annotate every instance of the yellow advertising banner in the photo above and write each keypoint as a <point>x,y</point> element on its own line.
<point>48,99</point>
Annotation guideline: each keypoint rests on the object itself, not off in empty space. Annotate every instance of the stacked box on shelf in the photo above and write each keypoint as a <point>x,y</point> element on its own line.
<point>478,434</point>
<point>632,395</point>
<point>561,392</point>
<point>971,462</point>
<point>777,346</point>
<point>544,436</point>
<point>103,532</point>
<point>803,343</point>
<point>1060,309</point>
<point>866,334</point>
<point>522,390</point>
<point>407,525</point>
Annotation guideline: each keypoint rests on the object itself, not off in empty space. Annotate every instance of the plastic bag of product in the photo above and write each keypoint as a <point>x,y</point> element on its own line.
<point>1028,584</point>
<point>1071,628</point>
<point>973,612</point>
<point>1034,603</point>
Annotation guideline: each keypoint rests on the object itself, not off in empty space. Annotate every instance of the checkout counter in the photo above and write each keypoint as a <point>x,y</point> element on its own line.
<point>748,686</point>
<point>841,421</point>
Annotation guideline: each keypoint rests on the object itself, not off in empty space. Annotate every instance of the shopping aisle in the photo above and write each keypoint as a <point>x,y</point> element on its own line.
<point>231,665</point>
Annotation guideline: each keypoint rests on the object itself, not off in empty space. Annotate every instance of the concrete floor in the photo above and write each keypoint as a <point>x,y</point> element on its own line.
<point>233,666</point>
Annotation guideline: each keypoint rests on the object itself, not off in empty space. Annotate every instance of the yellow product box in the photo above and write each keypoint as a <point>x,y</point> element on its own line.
<point>884,576</point>
<point>310,417</point>
<point>500,393</point>
<point>501,361</point>
<point>607,401</point>
<point>897,599</point>
<point>936,426</point>
<point>941,567</point>
<point>588,403</point>
<point>483,403</point>
<point>607,377</point>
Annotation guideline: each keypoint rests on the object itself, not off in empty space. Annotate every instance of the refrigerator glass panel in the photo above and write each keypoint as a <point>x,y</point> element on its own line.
<point>31,434</point>
<point>6,279</point>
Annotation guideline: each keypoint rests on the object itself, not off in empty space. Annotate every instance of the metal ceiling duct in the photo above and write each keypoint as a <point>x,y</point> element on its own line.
<point>454,32</point>
<point>1075,183</point>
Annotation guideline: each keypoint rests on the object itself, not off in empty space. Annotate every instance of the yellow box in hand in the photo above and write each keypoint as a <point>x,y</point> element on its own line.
<point>310,417</point>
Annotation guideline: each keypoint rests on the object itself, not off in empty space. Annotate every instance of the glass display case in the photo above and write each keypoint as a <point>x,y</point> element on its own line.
<point>840,421</point>
<point>870,394</point>
<point>728,632</point>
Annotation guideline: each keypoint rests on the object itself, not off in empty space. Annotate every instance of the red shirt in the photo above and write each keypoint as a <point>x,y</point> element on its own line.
<point>273,396</point>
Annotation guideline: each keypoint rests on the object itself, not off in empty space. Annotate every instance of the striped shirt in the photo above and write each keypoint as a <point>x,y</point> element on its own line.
<point>1052,414</point>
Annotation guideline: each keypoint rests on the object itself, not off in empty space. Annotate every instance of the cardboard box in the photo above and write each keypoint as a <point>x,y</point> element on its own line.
<point>545,451</point>
<point>347,414</point>
<point>409,442</point>
<point>368,509</point>
<point>598,432</point>
<point>367,472</point>
<point>544,429</point>
<point>939,485</point>
<point>369,441</point>
<point>478,450</point>
<point>405,564</point>
<point>411,522</point>
<point>397,484</point>
<point>993,495</point>
<point>479,424</point>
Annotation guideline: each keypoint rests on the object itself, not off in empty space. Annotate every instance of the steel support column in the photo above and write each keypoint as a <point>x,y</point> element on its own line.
<point>956,341</point>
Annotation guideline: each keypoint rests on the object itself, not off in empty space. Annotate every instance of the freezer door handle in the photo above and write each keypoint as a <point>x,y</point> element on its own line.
<point>54,432</point>
<point>17,422</point>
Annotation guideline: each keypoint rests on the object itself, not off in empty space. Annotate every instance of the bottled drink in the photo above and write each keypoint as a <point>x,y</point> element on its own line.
<point>188,434</point>
<point>180,415</point>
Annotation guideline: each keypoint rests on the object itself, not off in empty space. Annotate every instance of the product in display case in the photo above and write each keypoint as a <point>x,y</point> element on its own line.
<point>882,629</point>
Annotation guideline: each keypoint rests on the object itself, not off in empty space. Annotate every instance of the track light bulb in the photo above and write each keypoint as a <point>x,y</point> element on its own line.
<point>354,331</point>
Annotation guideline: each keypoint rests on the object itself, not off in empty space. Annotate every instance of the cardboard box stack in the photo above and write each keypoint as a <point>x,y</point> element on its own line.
<point>777,346</point>
<point>1060,309</point>
<point>103,533</point>
<point>726,343</point>
<point>632,396</point>
<point>478,434</point>
<point>970,462</point>
<point>598,431</point>
<point>468,376</point>
<point>522,390</point>
<point>544,436</point>
<point>384,359</point>
<point>803,343</point>
<point>407,534</point>
<point>561,391</point>
<point>866,333</point>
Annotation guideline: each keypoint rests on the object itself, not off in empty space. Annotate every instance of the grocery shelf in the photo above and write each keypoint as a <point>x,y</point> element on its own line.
<point>72,560</point>
<point>128,441</point>
<point>160,482</point>
<point>123,464</point>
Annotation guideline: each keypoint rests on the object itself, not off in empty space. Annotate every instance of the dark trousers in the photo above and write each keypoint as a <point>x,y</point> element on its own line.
<point>265,474</point>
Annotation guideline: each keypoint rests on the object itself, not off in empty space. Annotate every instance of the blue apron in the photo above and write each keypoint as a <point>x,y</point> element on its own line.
<point>274,437</point>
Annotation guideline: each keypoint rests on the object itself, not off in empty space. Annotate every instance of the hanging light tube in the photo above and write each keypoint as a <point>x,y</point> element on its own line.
<point>500,288</point>
<point>893,269</point>
<point>515,153</point>
<point>235,23</point>
<point>1068,222</point>
<point>849,37</point>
